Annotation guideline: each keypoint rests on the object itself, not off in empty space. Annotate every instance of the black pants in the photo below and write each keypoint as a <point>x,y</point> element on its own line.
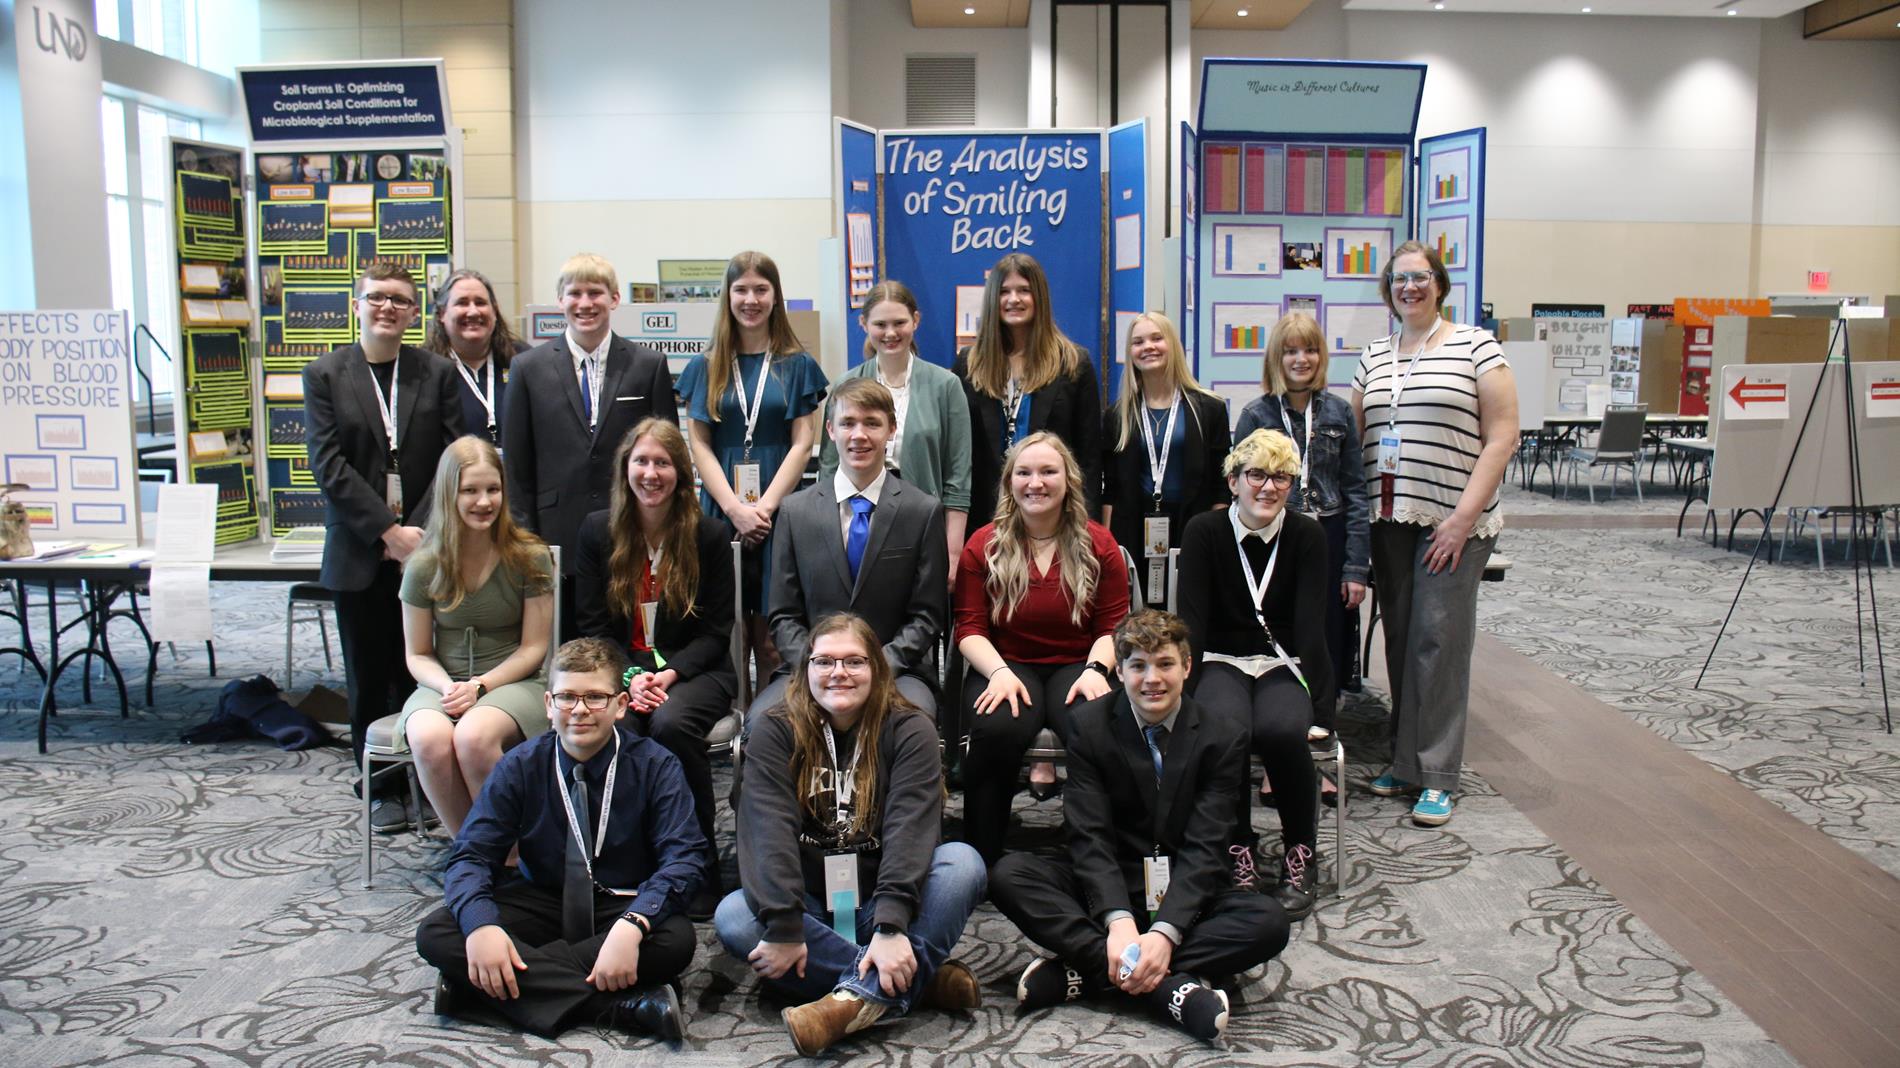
<point>692,707</point>
<point>369,627</point>
<point>1342,623</point>
<point>997,744</point>
<point>1276,711</point>
<point>1043,898</point>
<point>566,628</point>
<point>555,994</point>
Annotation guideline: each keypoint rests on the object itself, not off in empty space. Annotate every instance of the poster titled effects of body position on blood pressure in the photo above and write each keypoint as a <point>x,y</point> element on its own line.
<point>66,422</point>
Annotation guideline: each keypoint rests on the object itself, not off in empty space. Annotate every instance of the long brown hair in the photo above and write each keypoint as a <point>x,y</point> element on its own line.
<point>1047,354</point>
<point>1008,553</point>
<point>501,343</point>
<point>807,719</point>
<point>520,552</point>
<point>723,355</point>
<point>1128,404</point>
<point>679,548</point>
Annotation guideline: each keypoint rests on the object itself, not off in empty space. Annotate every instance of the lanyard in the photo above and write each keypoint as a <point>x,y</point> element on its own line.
<point>1158,462</point>
<point>1257,591</point>
<point>606,802</point>
<point>1392,413</point>
<point>1306,493</point>
<point>750,415</point>
<point>903,409</point>
<point>846,777</point>
<point>387,407</point>
<point>1012,404</point>
<point>487,397</point>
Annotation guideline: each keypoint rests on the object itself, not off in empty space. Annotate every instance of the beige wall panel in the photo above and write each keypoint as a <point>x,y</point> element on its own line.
<point>490,220</point>
<point>496,259</point>
<point>306,15</point>
<point>377,12</point>
<point>488,176</point>
<point>382,42</point>
<point>457,12</point>
<point>1862,260</point>
<point>1614,264</point>
<point>481,90</point>
<point>309,46</point>
<point>486,133</point>
<point>636,234</point>
<point>462,47</point>
<point>508,299</point>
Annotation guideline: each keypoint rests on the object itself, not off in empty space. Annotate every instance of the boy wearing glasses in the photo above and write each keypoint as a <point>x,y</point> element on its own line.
<point>379,413</point>
<point>589,929</point>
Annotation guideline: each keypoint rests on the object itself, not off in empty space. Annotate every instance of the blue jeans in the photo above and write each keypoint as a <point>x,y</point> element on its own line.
<point>951,891</point>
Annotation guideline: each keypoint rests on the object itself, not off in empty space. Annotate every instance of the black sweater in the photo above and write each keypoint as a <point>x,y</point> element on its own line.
<point>779,858</point>
<point>1213,598</point>
<point>694,645</point>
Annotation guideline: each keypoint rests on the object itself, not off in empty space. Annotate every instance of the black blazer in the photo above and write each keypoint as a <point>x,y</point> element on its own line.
<point>694,645</point>
<point>1207,442</point>
<point>559,469</point>
<point>902,587</point>
<point>1212,600</point>
<point>1071,408</point>
<point>1116,814</point>
<point>348,451</point>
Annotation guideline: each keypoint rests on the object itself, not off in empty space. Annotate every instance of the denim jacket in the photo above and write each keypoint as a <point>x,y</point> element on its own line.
<point>1336,468</point>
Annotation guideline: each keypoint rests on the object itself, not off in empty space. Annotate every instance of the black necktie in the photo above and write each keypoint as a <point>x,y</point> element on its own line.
<point>1157,746</point>
<point>577,884</point>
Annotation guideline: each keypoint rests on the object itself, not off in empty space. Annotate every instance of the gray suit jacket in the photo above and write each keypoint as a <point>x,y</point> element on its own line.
<point>901,589</point>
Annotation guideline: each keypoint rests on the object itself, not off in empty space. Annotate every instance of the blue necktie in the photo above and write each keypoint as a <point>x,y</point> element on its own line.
<point>1156,735</point>
<point>587,394</point>
<point>859,534</point>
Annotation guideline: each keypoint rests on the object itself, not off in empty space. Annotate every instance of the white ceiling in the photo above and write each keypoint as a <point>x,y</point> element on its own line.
<point>1761,9</point>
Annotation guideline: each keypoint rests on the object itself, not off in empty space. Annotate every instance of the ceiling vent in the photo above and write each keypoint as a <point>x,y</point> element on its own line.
<point>940,90</point>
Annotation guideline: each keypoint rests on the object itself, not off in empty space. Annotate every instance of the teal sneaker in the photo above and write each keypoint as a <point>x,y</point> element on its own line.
<point>1390,785</point>
<point>1433,808</point>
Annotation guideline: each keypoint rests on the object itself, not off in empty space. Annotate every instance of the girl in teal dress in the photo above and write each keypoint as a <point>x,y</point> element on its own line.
<point>477,616</point>
<point>753,401</point>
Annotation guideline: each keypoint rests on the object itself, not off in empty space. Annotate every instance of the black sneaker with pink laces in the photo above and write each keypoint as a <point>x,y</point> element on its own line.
<point>1297,891</point>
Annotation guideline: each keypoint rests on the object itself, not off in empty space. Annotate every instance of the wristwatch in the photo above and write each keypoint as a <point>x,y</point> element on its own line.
<point>481,689</point>
<point>1106,671</point>
<point>638,920</point>
<point>888,929</point>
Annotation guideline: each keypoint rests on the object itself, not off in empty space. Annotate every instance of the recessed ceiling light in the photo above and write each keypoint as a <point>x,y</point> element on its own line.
<point>1731,11</point>
<point>969,11</point>
<point>1242,12</point>
<point>1438,7</point>
<point>1586,11</point>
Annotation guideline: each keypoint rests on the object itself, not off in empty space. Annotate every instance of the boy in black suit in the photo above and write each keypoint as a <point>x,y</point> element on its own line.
<point>1150,815</point>
<point>570,401</point>
<point>379,414</point>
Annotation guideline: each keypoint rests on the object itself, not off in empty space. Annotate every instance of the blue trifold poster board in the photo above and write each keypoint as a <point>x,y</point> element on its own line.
<point>1127,237</point>
<point>936,210</point>
<point>1296,186</point>
<point>1451,215</point>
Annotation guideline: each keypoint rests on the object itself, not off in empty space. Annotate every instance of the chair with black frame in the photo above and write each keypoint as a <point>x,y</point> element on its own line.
<point>384,745</point>
<point>723,738</point>
<point>307,602</point>
<point>1619,445</point>
<point>1335,753</point>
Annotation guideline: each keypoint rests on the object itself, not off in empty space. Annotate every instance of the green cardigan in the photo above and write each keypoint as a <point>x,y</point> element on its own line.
<point>935,455</point>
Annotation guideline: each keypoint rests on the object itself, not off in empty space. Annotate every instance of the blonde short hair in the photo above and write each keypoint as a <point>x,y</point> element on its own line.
<point>1268,450</point>
<point>587,267</point>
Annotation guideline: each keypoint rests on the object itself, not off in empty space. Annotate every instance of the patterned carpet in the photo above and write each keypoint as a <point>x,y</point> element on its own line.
<point>169,905</point>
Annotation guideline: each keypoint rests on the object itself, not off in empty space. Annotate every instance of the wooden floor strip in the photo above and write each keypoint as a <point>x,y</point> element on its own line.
<point>1798,931</point>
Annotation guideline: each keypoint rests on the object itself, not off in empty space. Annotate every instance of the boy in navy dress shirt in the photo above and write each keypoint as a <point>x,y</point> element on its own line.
<point>590,930</point>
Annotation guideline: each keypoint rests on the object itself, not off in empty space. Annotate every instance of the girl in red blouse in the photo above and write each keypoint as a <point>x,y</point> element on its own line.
<point>1039,594</point>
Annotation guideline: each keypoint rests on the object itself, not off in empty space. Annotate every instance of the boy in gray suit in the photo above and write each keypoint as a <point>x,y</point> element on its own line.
<point>864,542</point>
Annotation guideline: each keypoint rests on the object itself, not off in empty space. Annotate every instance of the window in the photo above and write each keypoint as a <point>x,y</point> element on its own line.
<point>167,27</point>
<point>138,176</point>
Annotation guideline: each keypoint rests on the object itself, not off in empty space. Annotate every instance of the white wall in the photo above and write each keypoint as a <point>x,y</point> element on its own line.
<point>881,35</point>
<point>65,168</point>
<point>656,130</point>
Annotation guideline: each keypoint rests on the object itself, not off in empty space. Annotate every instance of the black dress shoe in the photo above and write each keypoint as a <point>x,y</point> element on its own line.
<point>650,1010</point>
<point>1043,791</point>
<point>448,1000</point>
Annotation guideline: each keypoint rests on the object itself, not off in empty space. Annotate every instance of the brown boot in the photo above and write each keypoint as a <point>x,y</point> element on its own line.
<point>953,987</point>
<point>815,1025</point>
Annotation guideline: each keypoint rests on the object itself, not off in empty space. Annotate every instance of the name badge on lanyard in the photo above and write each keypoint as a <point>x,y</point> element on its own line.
<point>1156,528</point>
<point>747,477</point>
<point>1012,407</point>
<point>1154,881</point>
<point>841,866</point>
<point>1389,440</point>
<point>484,392</point>
<point>386,407</point>
<point>1306,448</point>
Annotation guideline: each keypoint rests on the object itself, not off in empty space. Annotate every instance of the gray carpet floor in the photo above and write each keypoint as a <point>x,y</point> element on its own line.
<point>172,905</point>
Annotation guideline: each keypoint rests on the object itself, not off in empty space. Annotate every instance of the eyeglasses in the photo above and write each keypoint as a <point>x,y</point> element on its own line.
<point>377,300</point>
<point>853,664</point>
<point>1258,478</point>
<point>1411,278</point>
<point>595,702</point>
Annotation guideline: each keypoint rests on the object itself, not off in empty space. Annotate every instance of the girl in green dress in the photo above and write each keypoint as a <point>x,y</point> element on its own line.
<point>478,612</point>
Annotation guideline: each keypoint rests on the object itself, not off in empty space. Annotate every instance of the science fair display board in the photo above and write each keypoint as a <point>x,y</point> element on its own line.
<point>1697,316</point>
<point>216,424</point>
<point>936,210</point>
<point>1758,417</point>
<point>1298,181</point>
<point>66,430</point>
<point>354,163</point>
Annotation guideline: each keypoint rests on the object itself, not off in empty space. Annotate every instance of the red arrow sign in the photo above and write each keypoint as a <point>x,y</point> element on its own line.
<point>1759,392</point>
<point>1885,391</point>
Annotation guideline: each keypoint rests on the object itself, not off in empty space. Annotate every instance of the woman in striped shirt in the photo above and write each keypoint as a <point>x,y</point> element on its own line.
<point>1437,410</point>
